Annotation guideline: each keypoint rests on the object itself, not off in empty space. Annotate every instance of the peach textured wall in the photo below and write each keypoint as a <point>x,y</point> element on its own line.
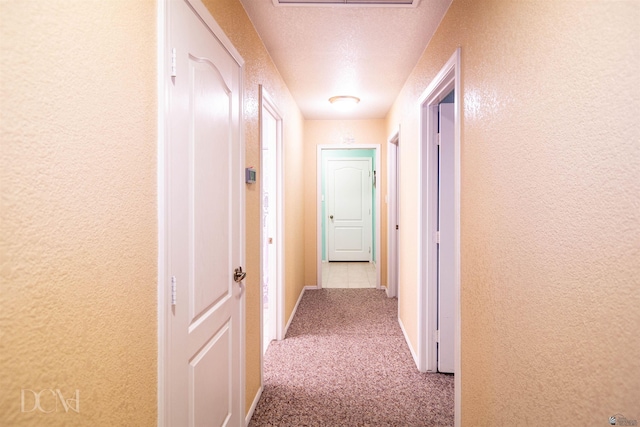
<point>78,228</point>
<point>550,226</point>
<point>260,70</point>
<point>319,132</point>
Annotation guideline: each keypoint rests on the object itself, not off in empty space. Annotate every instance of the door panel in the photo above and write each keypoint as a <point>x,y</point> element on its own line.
<point>349,204</point>
<point>446,249</point>
<point>348,191</point>
<point>204,237</point>
<point>349,239</point>
<point>210,164</point>
<point>212,381</point>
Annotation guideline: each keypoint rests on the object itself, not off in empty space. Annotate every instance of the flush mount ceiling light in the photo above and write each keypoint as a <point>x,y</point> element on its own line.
<point>396,3</point>
<point>344,102</point>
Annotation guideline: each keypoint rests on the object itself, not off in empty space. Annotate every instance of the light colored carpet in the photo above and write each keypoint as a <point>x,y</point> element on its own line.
<point>344,362</point>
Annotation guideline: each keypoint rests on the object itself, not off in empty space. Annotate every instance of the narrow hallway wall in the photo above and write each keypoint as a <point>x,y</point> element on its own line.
<point>550,190</point>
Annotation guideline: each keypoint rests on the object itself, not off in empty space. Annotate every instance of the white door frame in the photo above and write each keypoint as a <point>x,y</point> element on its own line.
<point>446,80</point>
<point>393,145</point>
<point>267,103</point>
<point>321,147</point>
<point>164,288</point>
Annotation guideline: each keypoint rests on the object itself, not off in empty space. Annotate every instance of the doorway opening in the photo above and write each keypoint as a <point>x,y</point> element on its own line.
<point>354,166</point>
<point>439,290</point>
<point>271,201</point>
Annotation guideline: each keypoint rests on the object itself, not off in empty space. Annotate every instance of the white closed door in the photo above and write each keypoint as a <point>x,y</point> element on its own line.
<point>348,209</point>
<point>446,247</point>
<point>205,234</point>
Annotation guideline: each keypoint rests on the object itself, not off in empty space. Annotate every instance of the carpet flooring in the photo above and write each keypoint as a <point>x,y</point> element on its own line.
<point>345,362</point>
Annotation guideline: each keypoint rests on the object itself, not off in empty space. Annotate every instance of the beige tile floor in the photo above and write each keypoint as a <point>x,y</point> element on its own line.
<point>348,275</point>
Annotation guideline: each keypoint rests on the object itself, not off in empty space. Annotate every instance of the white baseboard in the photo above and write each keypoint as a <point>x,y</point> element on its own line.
<point>253,407</point>
<point>406,338</point>
<point>293,313</point>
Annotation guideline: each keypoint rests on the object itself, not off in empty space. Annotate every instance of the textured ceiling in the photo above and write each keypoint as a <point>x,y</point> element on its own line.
<point>328,50</point>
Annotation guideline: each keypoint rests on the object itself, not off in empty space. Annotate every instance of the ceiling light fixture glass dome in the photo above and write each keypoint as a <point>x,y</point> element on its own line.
<point>344,102</point>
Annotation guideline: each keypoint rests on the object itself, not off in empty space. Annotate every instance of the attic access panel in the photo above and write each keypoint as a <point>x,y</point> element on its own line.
<point>398,3</point>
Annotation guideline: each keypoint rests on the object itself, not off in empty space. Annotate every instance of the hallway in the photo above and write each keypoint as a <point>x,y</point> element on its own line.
<point>549,191</point>
<point>344,362</point>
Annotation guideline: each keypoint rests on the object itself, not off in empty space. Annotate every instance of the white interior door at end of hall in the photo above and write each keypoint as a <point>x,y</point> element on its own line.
<point>204,233</point>
<point>348,190</point>
<point>446,248</point>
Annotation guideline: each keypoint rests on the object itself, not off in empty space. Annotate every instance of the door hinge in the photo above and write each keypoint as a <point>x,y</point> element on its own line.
<point>173,62</point>
<point>438,237</point>
<point>369,249</point>
<point>173,290</point>
<point>397,227</point>
<point>437,335</point>
<point>438,140</point>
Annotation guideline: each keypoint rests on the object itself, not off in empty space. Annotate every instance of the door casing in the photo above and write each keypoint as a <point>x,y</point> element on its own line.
<point>267,103</point>
<point>393,217</point>
<point>446,80</point>
<point>376,204</point>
